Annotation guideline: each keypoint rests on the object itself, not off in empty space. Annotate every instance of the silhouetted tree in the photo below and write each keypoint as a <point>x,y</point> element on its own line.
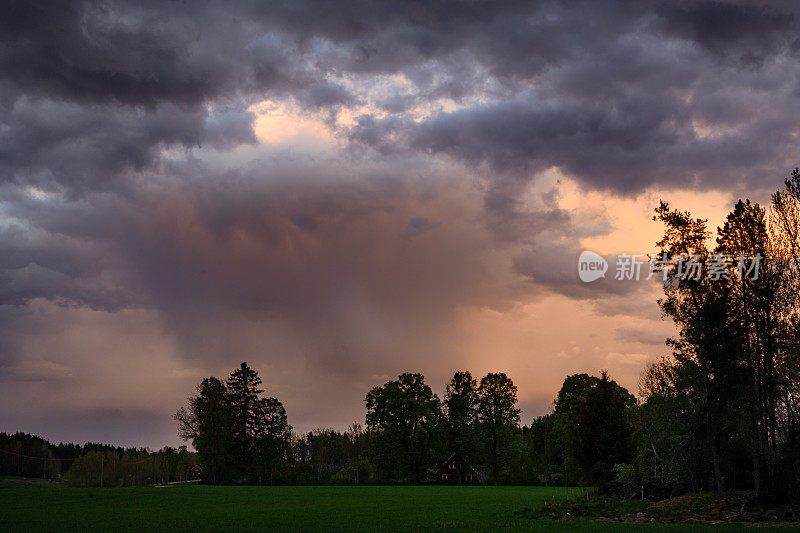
<point>461,405</point>
<point>207,423</point>
<point>697,307</point>
<point>498,416</point>
<point>272,435</point>
<point>403,416</point>
<point>605,430</point>
<point>242,395</point>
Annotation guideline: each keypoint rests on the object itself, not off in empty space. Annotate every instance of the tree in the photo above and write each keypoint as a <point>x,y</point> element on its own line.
<point>207,423</point>
<point>271,435</point>
<point>569,404</point>
<point>592,425</point>
<point>784,239</point>
<point>697,308</point>
<point>604,433</point>
<point>671,421</point>
<point>403,416</point>
<point>235,432</point>
<point>545,450</point>
<point>242,396</point>
<point>498,416</point>
<point>754,317</point>
<point>461,404</point>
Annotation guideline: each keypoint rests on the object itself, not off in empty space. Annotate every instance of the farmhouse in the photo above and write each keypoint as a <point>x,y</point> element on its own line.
<point>449,470</point>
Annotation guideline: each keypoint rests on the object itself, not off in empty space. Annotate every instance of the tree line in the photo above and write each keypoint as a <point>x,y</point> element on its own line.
<point>93,464</point>
<point>133,468</point>
<point>410,433</point>
<point>722,409</point>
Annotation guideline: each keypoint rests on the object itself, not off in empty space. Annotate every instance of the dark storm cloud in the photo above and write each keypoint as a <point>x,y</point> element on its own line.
<point>131,179</point>
<point>94,92</point>
<point>623,148</point>
<point>652,100</point>
<point>138,53</point>
<point>616,103</point>
<point>48,142</point>
<point>738,30</point>
<point>146,53</point>
<point>153,52</point>
<point>277,239</point>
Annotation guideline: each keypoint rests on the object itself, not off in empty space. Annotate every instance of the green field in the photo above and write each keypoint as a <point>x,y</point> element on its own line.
<point>366,508</point>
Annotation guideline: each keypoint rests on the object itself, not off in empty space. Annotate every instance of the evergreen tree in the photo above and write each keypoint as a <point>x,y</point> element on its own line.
<point>242,396</point>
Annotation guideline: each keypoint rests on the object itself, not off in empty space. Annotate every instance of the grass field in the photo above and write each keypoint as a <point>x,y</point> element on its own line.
<point>366,508</point>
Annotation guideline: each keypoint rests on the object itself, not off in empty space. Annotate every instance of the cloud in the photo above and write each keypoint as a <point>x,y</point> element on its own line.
<point>417,225</point>
<point>623,104</point>
<point>747,32</point>
<point>139,207</point>
<point>642,335</point>
<point>624,145</point>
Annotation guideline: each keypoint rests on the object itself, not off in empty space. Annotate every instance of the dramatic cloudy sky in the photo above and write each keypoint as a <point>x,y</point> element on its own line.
<point>337,192</point>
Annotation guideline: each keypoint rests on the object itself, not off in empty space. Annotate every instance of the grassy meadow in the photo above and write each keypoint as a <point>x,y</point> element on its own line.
<point>361,508</point>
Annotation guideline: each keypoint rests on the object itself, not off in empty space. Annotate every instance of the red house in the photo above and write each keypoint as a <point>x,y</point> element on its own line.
<point>448,473</point>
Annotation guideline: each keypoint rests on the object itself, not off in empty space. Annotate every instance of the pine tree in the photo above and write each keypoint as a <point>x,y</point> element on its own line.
<point>242,395</point>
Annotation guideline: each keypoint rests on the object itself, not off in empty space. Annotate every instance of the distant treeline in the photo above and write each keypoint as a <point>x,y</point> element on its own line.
<point>133,468</point>
<point>93,464</point>
<point>27,455</point>
<point>473,435</point>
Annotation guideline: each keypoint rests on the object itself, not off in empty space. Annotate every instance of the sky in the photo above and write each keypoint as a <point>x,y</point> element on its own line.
<point>338,192</point>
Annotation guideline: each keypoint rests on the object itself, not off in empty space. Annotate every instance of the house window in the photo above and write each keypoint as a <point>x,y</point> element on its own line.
<point>468,477</point>
<point>444,477</point>
<point>452,466</point>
